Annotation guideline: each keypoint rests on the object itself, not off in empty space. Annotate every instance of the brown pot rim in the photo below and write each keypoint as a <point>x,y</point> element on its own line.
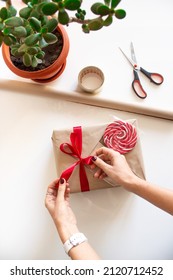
<point>48,71</point>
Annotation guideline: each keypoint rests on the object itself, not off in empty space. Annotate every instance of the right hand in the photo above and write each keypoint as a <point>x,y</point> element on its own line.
<point>114,165</point>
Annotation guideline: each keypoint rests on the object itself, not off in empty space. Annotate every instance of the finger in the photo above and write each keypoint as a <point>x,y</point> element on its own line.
<point>61,189</point>
<point>98,173</point>
<point>101,164</point>
<point>103,175</point>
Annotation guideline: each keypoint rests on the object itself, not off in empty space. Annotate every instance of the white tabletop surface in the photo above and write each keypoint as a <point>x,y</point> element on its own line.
<point>118,224</point>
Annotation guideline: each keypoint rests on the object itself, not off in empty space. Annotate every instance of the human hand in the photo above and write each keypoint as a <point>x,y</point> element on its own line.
<point>114,165</point>
<point>57,203</point>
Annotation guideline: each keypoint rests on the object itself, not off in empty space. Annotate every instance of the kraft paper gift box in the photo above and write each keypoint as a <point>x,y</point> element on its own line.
<point>91,139</point>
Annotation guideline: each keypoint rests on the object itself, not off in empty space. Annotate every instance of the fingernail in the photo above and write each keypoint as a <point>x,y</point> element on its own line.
<point>62,181</point>
<point>94,158</point>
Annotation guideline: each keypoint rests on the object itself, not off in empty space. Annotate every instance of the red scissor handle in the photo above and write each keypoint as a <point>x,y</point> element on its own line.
<point>137,87</point>
<point>154,77</point>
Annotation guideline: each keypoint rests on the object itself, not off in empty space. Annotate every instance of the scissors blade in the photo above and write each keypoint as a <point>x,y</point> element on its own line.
<point>128,58</point>
<point>133,53</point>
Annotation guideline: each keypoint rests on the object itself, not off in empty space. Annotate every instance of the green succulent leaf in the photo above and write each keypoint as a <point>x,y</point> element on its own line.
<point>25,12</point>
<point>35,14</point>
<point>85,28</point>
<point>35,24</point>
<point>32,50</point>
<point>108,21</point>
<point>3,13</point>
<point>120,14</point>
<point>32,39</point>
<point>12,11</point>
<point>23,48</point>
<point>14,21</point>
<point>107,2</point>
<point>7,31</point>
<point>50,38</point>
<point>1,40</point>
<point>1,26</point>
<point>95,7</point>
<point>34,62</point>
<point>44,30</point>
<point>63,17</point>
<point>8,40</point>
<point>27,59</point>
<point>28,30</point>
<point>40,55</point>
<point>51,24</point>
<point>96,24</point>
<point>43,43</point>
<point>72,4</point>
<point>103,10</point>
<point>115,3</point>
<point>19,32</point>
<point>50,8</point>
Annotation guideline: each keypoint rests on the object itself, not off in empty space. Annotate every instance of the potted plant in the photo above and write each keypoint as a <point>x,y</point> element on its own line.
<point>34,42</point>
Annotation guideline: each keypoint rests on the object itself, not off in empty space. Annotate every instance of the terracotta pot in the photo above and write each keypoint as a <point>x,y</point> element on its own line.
<point>45,75</point>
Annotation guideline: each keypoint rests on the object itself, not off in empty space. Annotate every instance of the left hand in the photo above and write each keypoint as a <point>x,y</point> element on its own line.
<point>57,203</point>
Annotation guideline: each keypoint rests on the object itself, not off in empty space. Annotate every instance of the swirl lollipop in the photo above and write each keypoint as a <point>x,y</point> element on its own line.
<point>120,136</point>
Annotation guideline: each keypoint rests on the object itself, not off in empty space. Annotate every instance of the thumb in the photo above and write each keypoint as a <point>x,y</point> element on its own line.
<point>101,164</point>
<point>61,189</point>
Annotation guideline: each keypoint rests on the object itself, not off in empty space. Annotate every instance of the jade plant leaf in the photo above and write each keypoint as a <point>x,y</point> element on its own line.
<point>94,8</point>
<point>40,55</point>
<point>103,10</point>
<point>25,12</point>
<point>50,8</point>
<point>3,13</point>
<point>120,14</point>
<point>1,40</point>
<point>108,21</point>
<point>50,38</point>
<point>12,11</point>
<point>7,31</point>
<point>100,9</point>
<point>27,59</point>
<point>32,39</point>
<point>32,50</point>
<point>1,26</point>
<point>63,17</point>
<point>96,24</point>
<point>51,24</point>
<point>107,2</point>
<point>8,40</point>
<point>35,24</point>
<point>14,21</point>
<point>72,4</point>
<point>19,32</point>
<point>115,3</point>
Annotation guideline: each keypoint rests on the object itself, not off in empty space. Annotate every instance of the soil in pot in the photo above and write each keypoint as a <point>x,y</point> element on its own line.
<point>52,52</point>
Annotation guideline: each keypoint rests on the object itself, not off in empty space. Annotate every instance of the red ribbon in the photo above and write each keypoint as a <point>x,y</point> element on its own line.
<point>75,150</point>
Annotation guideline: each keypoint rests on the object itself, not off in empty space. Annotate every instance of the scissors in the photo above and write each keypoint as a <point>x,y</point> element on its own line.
<point>136,84</point>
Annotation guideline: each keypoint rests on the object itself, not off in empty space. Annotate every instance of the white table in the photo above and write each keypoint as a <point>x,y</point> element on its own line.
<point>29,112</point>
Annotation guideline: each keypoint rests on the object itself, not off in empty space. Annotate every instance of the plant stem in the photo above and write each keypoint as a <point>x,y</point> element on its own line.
<point>85,21</point>
<point>8,3</point>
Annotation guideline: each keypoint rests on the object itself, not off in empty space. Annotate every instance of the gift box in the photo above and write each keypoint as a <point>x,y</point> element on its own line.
<point>74,147</point>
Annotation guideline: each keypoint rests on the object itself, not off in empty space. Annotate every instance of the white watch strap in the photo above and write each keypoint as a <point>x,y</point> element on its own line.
<point>73,241</point>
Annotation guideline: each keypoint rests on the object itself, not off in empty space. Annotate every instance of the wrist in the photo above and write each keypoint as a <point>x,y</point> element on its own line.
<point>65,231</point>
<point>133,183</point>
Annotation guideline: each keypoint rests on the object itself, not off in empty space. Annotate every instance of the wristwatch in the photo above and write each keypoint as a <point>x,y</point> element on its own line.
<point>73,241</point>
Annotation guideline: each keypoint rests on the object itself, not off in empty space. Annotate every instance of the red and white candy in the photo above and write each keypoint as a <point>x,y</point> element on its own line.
<point>120,136</point>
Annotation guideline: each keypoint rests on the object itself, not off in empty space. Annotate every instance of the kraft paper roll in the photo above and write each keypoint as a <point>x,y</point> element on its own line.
<point>94,100</point>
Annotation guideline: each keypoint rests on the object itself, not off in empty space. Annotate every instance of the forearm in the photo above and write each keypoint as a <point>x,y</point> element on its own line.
<point>160,197</point>
<point>82,251</point>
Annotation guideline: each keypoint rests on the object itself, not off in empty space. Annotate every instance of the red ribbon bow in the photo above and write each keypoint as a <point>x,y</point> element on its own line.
<point>75,150</point>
